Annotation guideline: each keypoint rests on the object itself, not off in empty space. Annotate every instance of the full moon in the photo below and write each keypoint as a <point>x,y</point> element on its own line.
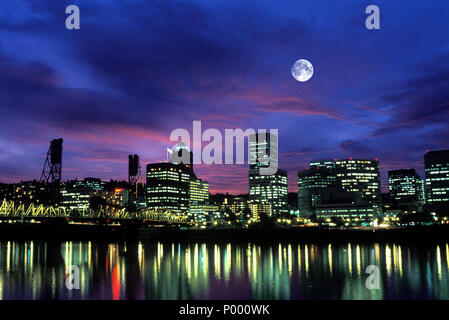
<point>302,70</point>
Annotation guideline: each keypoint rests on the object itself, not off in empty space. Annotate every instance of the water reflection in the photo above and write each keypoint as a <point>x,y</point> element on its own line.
<point>37,270</point>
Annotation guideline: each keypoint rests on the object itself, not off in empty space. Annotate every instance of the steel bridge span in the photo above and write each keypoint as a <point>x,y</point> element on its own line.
<point>9,210</point>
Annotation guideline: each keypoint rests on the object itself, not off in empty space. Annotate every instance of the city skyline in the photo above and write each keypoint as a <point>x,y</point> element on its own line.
<point>113,89</point>
<point>224,158</point>
<point>310,164</point>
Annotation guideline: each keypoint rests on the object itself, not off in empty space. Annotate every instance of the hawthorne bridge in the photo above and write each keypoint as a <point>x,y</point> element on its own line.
<point>11,211</point>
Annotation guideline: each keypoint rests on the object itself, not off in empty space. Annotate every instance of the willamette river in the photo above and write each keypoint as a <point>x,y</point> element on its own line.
<point>151,270</point>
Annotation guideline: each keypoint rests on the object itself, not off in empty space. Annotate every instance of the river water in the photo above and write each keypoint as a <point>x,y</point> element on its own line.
<point>154,270</point>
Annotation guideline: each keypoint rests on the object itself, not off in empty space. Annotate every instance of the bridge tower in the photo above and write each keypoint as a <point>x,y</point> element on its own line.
<point>134,170</point>
<point>134,173</point>
<point>52,171</point>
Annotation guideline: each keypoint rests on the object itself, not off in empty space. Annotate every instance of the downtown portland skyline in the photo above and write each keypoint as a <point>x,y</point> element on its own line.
<point>135,71</point>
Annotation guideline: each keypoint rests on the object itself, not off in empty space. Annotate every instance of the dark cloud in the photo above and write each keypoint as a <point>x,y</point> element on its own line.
<point>355,148</point>
<point>421,100</point>
<point>136,70</point>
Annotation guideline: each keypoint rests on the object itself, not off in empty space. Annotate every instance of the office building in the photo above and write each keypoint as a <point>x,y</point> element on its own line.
<point>436,165</point>
<point>199,198</point>
<point>117,197</point>
<point>269,189</point>
<point>168,187</point>
<point>199,192</point>
<point>258,210</point>
<point>345,214</point>
<point>363,177</point>
<point>75,199</point>
<point>406,189</point>
<point>263,151</point>
<point>93,184</point>
<point>28,192</point>
<point>348,190</point>
<point>311,183</point>
<point>344,208</point>
<point>236,204</point>
<point>76,194</point>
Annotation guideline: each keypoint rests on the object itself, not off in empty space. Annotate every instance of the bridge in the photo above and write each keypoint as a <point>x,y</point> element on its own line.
<point>9,210</point>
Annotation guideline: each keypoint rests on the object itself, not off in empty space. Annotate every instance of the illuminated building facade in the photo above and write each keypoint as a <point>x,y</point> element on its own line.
<point>118,197</point>
<point>263,151</point>
<point>199,192</point>
<point>311,183</point>
<point>236,204</point>
<point>348,190</point>
<point>267,189</point>
<point>259,209</point>
<point>23,192</point>
<point>168,187</point>
<point>76,199</point>
<point>76,194</point>
<point>30,192</point>
<point>347,214</point>
<point>26,193</point>
<point>199,205</point>
<point>344,208</point>
<point>93,184</point>
<point>436,165</point>
<point>406,189</point>
<point>270,189</point>
<point>361,176</point>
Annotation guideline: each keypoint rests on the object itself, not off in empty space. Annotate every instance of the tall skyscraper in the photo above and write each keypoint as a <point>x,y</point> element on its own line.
<point>436,165</point>
<point>311,183</point>
<point>361,176</point>
<point>263,151</point>
<point>168,187</point>
<point>406,189</point>
<point>269,189</point>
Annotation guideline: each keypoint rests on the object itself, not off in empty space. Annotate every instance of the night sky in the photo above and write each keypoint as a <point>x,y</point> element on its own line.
<point>136,70</point>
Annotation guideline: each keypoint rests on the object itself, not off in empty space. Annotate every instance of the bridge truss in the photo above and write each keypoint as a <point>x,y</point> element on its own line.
<point>11,210</point>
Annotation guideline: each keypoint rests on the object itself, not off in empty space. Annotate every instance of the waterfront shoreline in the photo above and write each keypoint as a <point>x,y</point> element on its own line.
<point>136,232</point>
